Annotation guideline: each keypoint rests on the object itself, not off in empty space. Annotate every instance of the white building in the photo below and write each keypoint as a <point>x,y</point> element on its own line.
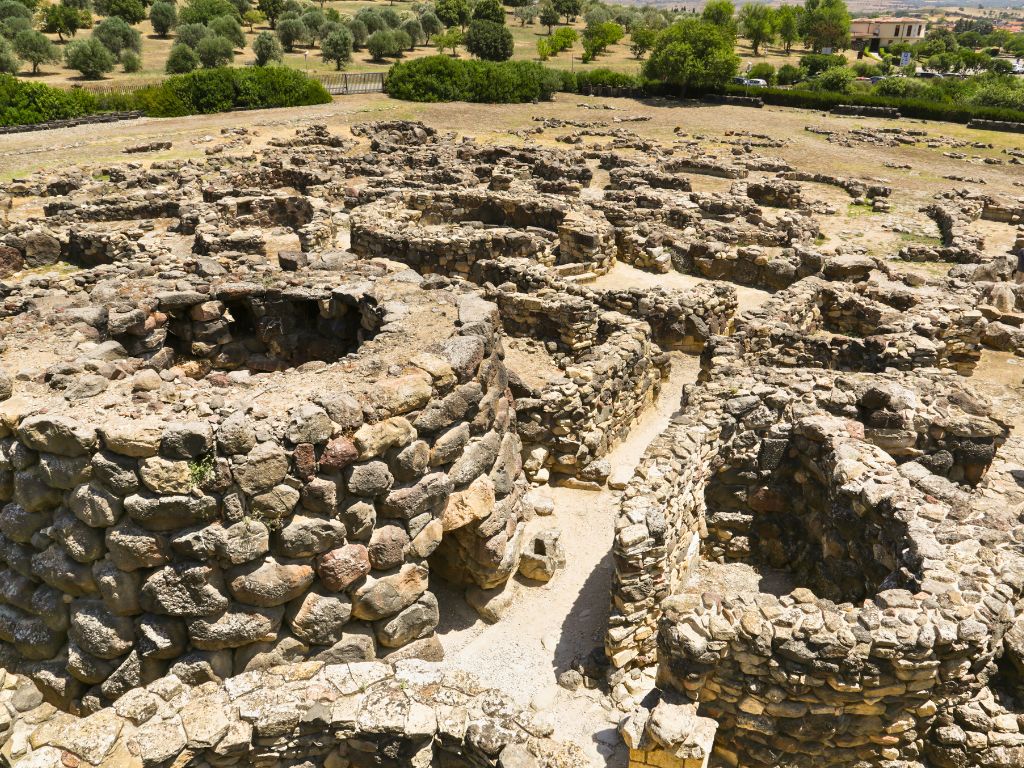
<point>886,30</point>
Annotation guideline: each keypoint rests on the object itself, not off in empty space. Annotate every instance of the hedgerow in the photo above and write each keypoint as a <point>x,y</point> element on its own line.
<point>202,92</point>
<point>441,78</point>
<point>24,103</point>
<point>923,109</point>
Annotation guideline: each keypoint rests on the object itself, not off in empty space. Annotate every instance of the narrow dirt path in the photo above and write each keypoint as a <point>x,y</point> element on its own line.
<point>547,627</point>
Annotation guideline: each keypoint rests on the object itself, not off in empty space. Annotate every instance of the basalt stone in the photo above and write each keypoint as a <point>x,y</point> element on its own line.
<point>186,441</point>
<point>57,434</point>
<point>368,480</point>
<point>417,621</point>
<point>387,547</point>
<point>131,547</point>
<point>165,513</point>
<point>304,537</point>
<point>385,596</point>
<point>339,568</point>
<point>237,626</point>
<point>185,589</point>
<point>236,435</point>
<point>269,583</point>
<point>263,467</point>
<point>98,632</point>
<point>317,617</point>
<point>95,505</point>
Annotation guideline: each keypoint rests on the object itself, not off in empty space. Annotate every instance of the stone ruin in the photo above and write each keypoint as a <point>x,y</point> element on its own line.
<point>254,408</point>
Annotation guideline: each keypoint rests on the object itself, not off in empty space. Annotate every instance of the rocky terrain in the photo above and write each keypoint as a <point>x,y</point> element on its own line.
<point>292,428</point>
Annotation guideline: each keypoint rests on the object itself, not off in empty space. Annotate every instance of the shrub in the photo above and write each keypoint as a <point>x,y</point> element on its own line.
<point>489,10</point>
<point>62,20</point>
<point>440,78</point>
<point>291,31</point>
<point>814,63</point>
<point>215,51</point>
<point>563,39</point>
<point>205,11</point>
<point>23,103</point>
<point>605,77</point>
<point>132,11</point>
<point>252,17</point>
<point>11,9</point>
<point>414,30</point>
<point>90,57</point>
<point>431,25</point>
<point>35,48</point>
<point>450,38</point>
<point>9,61</point>
<point>489,41</point>
<point>9,28</point>
<point>267,48</point>
<point>190,34</point>
<point>117,35</point>
<point>788,74</point>
<point>597,38</point>
<point>314,21</point>
<point>453,13</point>
<point>228,28</point>
<point>763,71</point>
<point>386,43</point>
<point>131,61</point>
<point>1003,92</point>
<point>337,47</point>
<point>835,80</point>
<point>218,90</point>
<point>899,87</point>
<point>163,16</point>
<point>390,18</point>
<point>181,59</point>
<point>359,34</point>
<point>693,53</point>
<point>865,69</point>
<point>924,109</point>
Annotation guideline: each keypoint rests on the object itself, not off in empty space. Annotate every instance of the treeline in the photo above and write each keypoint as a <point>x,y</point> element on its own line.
<point>203,92</point>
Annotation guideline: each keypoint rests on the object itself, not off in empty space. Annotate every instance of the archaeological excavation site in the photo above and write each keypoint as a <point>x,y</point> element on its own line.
<point>605,438</point>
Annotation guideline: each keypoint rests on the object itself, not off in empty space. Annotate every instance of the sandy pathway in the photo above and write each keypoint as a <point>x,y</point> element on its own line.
<point>548,627</point>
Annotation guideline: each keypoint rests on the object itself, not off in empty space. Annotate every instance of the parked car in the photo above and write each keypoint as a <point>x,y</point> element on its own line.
<point>757,82</point>
<point>929,75</point>
<point>877,79</point>
<point>739,81</point>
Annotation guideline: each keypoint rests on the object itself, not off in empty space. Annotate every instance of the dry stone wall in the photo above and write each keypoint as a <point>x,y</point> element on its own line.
<point>304,714</point>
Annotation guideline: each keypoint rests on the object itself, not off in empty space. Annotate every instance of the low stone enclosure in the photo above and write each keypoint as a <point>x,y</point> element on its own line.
<point>254,408</point>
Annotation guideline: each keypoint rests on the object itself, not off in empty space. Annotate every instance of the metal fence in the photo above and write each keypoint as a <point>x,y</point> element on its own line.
<point>343,83</point>
<point>336,83</point>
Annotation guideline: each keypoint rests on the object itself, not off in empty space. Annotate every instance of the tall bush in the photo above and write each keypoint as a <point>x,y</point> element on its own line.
<point>90,57</point>
<point>440,78</point>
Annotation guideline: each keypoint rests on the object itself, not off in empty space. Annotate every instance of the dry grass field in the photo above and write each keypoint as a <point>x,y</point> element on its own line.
<point>156,49</point>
